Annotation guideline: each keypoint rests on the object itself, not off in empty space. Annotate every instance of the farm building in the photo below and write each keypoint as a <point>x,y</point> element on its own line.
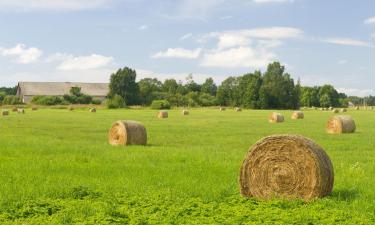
<point>27,90</point>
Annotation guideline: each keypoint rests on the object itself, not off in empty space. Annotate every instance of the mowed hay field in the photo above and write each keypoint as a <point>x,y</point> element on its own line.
<point>56,167</point>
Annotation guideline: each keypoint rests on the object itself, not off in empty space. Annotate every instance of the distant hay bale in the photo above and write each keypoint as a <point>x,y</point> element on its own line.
<point>34,108</point>
<point>5,113</point>
<point>340,124</point>
<point>222,109</point>
<point>20,111</point>
<point>14,109</point>
<point>357,108</point>
<point>238,109</point>
<point>297,115</point>
<point>330,108</point>
<point>162,114</point>
<point>288,167</point>
<point>71,108</point>
<point>93,110</point>
<point>343,110</point>
<point>127,133</point>
<point>276,118</point>
<point>185,112</point>
<point>335,111</point>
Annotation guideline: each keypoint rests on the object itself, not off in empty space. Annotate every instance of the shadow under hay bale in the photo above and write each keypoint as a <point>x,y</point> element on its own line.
<point>162,114</point>
<point>127,133</point>
<point>276,118</point>
<point>185,112</point>
<point>340,124</point>
<point>297,115</point>
<point>5,113</point>
<point>93,110</point>
<point>288,167</point>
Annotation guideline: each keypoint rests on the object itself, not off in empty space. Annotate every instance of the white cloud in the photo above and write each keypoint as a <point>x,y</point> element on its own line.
<point>226,17</point>
<point>143,27</point>
<point>372,35</point>
<point>178,53</point>
<point>342,61</point>
<point>186,36</point>
<point>239,57</point>
<point>370,21</point>
<point>348,41</point>
<point>21,54</point>
<point>85,62</point>
<point>357,92</point>
<point>272,1</point>
<point>57,5</point>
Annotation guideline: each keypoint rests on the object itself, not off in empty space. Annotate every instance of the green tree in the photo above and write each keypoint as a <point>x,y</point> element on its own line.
<point>170,86</point>
<point>209,87</point>
<point>248,89</point>
<point>328,96</point>
<point>226,92</point>
<point>123,83</point>
<point>190,85</point>
<point>149,89</point>
<point>76,91</point>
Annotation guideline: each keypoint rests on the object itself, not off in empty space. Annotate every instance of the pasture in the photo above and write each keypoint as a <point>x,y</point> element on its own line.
<point>56,167</point>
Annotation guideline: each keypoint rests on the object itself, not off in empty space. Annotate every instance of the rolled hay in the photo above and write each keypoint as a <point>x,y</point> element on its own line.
<point>357,108</point>
<point>14,109</point>
<point>343,110</point>
<point>20,111</point>
<point>330,108</point>
<point>288,167</point>
<point>222,109</point>
<point>237,109</point>
<point>276,118</point>
<point>162,114</point>
<point>185,112</point>
<point>340,124</point>
<point>127,132</point>
<point>71,108</point>
<point>5,113</point>
<point>93,110</point>
<point>34,108</point>
<point>297,115</point>
<point>335,111</point>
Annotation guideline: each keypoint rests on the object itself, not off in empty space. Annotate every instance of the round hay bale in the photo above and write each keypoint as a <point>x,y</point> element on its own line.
<point>222,109</point>
<point>185,112</point>
<point>20,111</point>
<point>126,132</point>
<point>286,166</point>
<point>330,108</point>
<point>357,108</point>
<point>343,110</point>
<point>71,108</point>
<point>238,109</point>
<point>5,113</point>
<point>298,115</point>
<point>93,110</point>
<point>162,114</point>
<point>276,118</point>
<point>34,108</point>
<point>335,111</point>
<point>14,109</point>
<point>340,124</point>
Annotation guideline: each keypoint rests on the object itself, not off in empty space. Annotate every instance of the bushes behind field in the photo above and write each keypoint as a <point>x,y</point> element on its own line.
<point>160,104</point>
<point>10,100</point>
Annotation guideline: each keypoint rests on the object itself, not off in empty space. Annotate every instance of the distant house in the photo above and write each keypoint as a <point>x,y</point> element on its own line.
<point>27,90</point>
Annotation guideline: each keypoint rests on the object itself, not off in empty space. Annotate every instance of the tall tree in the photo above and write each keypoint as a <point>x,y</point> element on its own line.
<point>149,89</point>
<point>123,83</point>
<point>248,89</point>
<point>209,87</point>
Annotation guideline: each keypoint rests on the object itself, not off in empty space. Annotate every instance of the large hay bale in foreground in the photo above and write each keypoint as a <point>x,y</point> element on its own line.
<point>162,114</point>
<point>5,113</point>
<point>276,118</point>
<point>297,115</point>
<point>185,112</point>
<point>288,167</point>
<point>340,124</point>
<point>127,133</point>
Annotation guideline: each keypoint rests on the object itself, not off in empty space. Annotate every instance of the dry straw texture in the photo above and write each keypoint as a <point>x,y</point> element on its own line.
<point>222,109</point>
<point>297,115</point>
<point>21,111</point>
<point>34,108</point>
<point>185,112</point>
<point>238,109</point>
<point>127,133</point>
<point>343,110</point>
<point>93,110</point>
<point>276,118</point>
<point>5,113</point>
<point>335,111</point>
<point>162,114</point>
<point>288,167</point>
<point>14,109</point>
<point>340,124</point>
<point>357,108</point>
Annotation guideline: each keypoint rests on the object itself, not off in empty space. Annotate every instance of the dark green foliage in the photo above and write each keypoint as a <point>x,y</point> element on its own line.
<point>123,83</point>
<point>48,100</point>
<point>209,87</point>
<point>12,100</point>
<point>9,90</point>
<point>2,96</point>
<point>116,102</point>
<point>149,90</point>
<point>96,101</point>
<point>160,104</point>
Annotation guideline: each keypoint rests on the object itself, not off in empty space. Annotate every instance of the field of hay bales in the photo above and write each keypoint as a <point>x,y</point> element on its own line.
<point>58,168</point>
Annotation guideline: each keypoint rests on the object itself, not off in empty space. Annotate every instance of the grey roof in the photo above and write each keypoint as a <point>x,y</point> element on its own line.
<point>61,88</point>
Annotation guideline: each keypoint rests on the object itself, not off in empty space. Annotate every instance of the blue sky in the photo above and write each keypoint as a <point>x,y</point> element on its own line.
<point>319,41</point>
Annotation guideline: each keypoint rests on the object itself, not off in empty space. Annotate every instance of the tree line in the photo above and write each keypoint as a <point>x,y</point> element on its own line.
<point>273,89</point>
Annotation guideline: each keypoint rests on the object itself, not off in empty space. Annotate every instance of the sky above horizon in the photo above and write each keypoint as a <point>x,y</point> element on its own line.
<point>318,41</point>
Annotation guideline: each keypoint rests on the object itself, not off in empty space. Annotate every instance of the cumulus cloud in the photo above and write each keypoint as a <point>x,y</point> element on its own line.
<point>84,62</point>
<point>57,5</point>
<point>348,42</point>
<point>22,54</point>
<point>370,21</point>
<point>143,27</point>
<point>186,36</point>
<point>178,53</point>
<point>342,61</point>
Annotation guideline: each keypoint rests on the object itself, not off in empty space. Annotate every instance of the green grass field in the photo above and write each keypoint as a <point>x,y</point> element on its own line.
<point>56,167</point>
